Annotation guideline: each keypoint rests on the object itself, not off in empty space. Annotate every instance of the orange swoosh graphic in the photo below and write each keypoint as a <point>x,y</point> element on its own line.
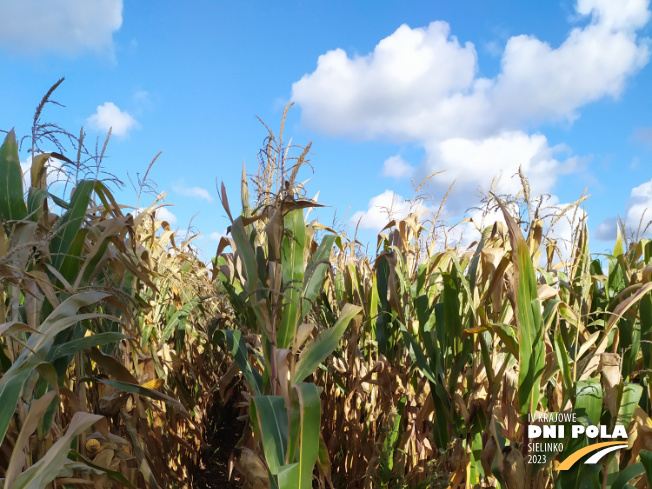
<point>568,463</point>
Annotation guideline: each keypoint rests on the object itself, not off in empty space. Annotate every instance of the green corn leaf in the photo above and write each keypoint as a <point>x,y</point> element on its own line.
<point>384,309</point>
<point>70,224</point>
<point>270,419</point>
<point>316,270</point>
<point>178,318</point>
<point>289,477</point>
<point>438,391</point>
<point>646,327</point>
<point>508,335</point>
<point>97,254</point>
<point>144,391</point>
<point>528,319</point>
<point>39,344</point>
<point>627,475</point>
<point>646,460</point>
<point>417,355</point>
<point>588,399</point>
<point>12,205</point>
<point>73,260</point>
<point>35,199</point>
<point>305,400</point>
<point>245,252</point>
<point>293,270</point>
<point>563,361</point>
<point>318,349</point>
<point>74,346</point>
<point>628,403</point>
<point>238,349</point>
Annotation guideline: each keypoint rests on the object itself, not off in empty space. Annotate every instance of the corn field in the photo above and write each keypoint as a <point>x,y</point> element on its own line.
<point>419,365</point>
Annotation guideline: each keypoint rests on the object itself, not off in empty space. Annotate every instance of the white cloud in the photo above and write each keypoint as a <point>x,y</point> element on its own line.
<point>217,235</point>
<point>626,16</point>
<point>68,27</point>
<point>163,214</point>
<point>108,116</point>
<point>396,167</point>
<point>638,211</point>
<point>200,192</point>
<point>421,84</point>
<point>473,165</point>
<point>382,209</point>
<point>55,172</point>
<point>395,91</point>
<point>607,229</point>
<point>565,229</point>
<point>639,206</point>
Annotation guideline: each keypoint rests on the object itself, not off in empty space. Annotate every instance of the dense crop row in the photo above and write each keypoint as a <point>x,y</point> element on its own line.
<point>417,367</point>
<point>446,352</point>
<point>105,373</point>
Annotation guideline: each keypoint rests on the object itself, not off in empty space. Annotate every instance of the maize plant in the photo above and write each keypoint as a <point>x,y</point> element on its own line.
<point>274,274</point>
<point>83,402</point>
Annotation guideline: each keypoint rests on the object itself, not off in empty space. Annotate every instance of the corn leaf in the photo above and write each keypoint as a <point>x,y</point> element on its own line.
<point>48,468</point>
<point>74,346</point>
<point>528,319</point>
<point>270,420</point>
<point>12,205</point>
<point>69,225</point>
<point>306,402</point>
<point>588,399</point>
<point>238,349</point>
<point>293,269</point>
<point>627,474</point>
<point>318,349</point>
<point>18,459</point>
<point>144,391</point>
<point>317,267</point>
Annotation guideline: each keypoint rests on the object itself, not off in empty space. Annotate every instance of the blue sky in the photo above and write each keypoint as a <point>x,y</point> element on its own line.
<point>387,91</point>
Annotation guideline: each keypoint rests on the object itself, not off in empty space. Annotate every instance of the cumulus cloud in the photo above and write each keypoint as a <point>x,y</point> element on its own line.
<point>638,212</point>
<point>55,172</point>
<point>422,85</point>
<point>381,210</point>
<point>560,228</point>
<point>69,27</point>
<point>163,214</point>
<point>109,116</point>
<point>475,164</point>
<point>640,204</point>
<point>199,192</point>
<point>626,16</point>
<point>607,229</point>
<point>397,167</point>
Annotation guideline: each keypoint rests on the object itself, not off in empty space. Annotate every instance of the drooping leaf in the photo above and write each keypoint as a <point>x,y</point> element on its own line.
<point>238,348</point>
